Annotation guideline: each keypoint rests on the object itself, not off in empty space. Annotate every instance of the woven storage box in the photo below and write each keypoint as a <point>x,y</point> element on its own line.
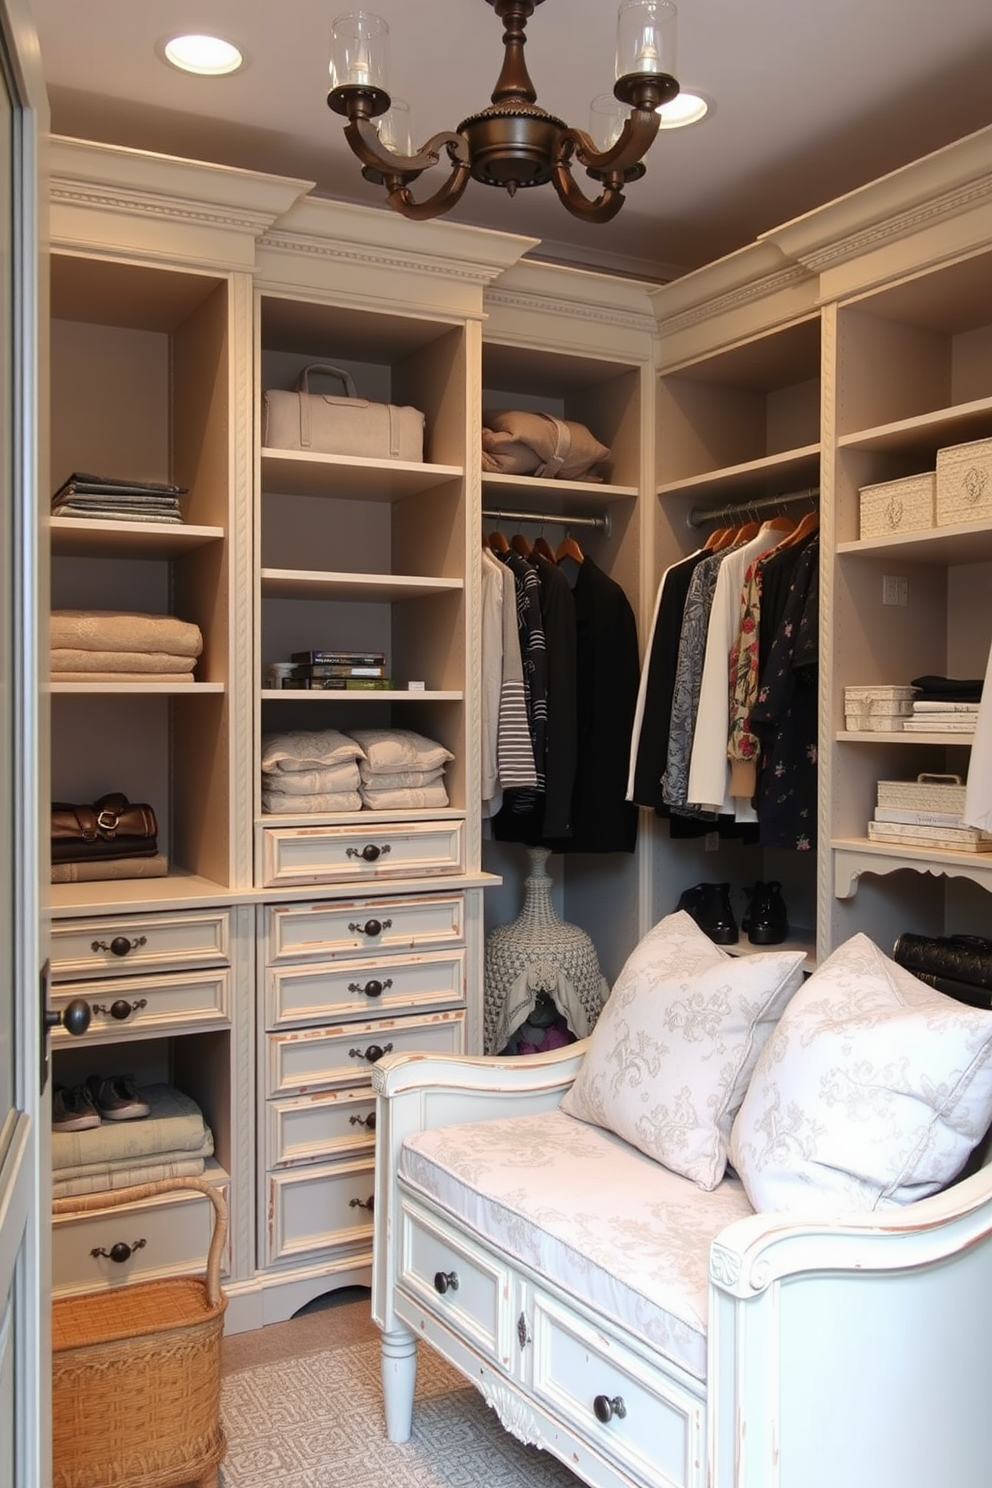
<point>905,505</point>
<point>964,482</point>
<point>878,709</point>
<point>926,793</point>
<point>136,1369</point>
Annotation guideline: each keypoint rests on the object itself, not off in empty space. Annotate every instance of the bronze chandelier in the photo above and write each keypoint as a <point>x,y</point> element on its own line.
<point>514,142</point>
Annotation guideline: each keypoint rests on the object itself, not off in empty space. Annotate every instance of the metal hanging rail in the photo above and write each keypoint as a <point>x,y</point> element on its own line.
<point>601,524</point>
<point>699,516</point>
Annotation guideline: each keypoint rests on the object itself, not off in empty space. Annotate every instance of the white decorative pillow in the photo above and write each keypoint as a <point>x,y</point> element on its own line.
<point>872,1091</point>
<point>388,751</point>
<point>672,1053</point>
<point>307,749</point>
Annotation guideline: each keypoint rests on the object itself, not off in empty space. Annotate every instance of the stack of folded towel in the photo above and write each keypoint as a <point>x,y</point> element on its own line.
<point>172,1141</point>
<point>400,769</point>
<point>116,646</point>
<point>310,770</point>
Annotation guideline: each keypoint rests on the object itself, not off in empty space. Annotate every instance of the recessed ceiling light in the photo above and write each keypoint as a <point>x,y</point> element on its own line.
<point>209,56</point>
<point>686,108</point>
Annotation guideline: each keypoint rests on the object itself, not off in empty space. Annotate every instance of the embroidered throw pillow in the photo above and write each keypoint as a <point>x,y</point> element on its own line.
<point>872,1091</point>
<point>389,751</point>
<point>672,1053</point>
<point>307,749</point>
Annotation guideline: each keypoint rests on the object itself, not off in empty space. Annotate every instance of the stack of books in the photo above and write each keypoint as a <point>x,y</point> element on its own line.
<point>338,671</point>
<point>104,497</point>
<point>926,812</point>
<point>942,718</point>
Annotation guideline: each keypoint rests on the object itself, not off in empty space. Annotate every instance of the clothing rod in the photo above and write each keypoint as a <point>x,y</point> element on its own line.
<point>601,524</point>
<point>699,516</point>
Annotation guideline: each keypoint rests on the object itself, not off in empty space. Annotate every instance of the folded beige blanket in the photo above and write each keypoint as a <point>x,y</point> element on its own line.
<point>341,777</point>
<point>174,1125</point>
<point>119,630</point>
<point>391,800</point>
<point>199,1153</point>
<point>73,659</point>
<point>150,1172</point>
<point>280,802</point>
<point>164,677</point>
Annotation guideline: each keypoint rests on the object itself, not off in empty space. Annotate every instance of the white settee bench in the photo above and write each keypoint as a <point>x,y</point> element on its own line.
<point>649,1332</point>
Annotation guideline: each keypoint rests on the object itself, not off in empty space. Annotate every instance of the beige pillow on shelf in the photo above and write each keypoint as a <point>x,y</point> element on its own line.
<point>308,749</point>
<point>670,1058</point>
<point>389,751</point>
<point>873,1091</point>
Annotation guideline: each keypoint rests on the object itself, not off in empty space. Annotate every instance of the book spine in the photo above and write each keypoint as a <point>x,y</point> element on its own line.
<point>324,669</point>
<point>339,658</point>
<point>337,684</point>
<point>939,836</point>
<point>919,818</point>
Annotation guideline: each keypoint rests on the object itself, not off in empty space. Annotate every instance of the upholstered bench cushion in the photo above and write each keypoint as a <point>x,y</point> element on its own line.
<point>587,1212</point>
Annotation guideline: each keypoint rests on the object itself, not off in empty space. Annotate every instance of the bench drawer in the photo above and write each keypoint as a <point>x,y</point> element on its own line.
<point>319,1058</point>
<point>313,994</point>
<point>327,930</point>
<point>457,1282</point>
<point>363,853</point>
<point>122,945</point>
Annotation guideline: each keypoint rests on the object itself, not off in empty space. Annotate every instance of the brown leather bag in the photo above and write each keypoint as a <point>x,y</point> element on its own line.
<point>113,827</point>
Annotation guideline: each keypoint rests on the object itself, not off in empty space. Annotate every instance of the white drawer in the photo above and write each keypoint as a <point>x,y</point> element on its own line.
<point>382,850</point>
<point>119,944</point>
<point>311,1128</point>
<point>167,1235</point>
<point>341,927</point>
<point>457,1282</point>
<point>319,1209</point>
<point>318,1058</point>
<point>354,989</point>
<point>146,1005</point>
<point>655,1428</point>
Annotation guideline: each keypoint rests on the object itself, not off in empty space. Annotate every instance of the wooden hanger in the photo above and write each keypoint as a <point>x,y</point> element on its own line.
<point>542,546</point>
<point>520,545</point>
<point>779,524</point>
<point>745,533</point>
<point>569,548</point>
<point>498,542</point>
<point>807,524</point>
<point>717,538</point>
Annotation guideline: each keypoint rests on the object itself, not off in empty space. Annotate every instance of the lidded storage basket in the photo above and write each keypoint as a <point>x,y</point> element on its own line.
<point>964,483</point>
<point>136,1369</point>
<point>905,505</point>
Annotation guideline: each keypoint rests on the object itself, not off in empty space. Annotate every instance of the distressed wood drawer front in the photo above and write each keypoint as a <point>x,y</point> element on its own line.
<point>319,1209</point>
<point>299,855</point>
<point>343,927</point>
<point>120,945</point>
<point>318,1058</point>
<point>165,1235</point>
<point>296,995</point>
<point>464,1286</point>
<point>144,1005</point>
<point>656,1429</point>
<point>311,1128</point>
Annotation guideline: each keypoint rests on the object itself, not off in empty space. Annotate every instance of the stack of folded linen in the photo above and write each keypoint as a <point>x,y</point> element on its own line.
<point>400,769</point>
<point>310,770</point>
<point>172,1141</point>
<point>117,646</point>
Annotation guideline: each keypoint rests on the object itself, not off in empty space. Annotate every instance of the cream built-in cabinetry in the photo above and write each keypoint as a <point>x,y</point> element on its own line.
<point>284,953</point>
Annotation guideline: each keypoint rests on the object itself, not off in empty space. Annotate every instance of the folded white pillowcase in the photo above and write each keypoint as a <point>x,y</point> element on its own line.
<point>670,1058</point>
<point>287,805</point>
<point>341,777</point>
<point>872,1091</point>
<point>308,749</point>
<point>399,779</point>
<point>388,751</point>
<point>412,799</point>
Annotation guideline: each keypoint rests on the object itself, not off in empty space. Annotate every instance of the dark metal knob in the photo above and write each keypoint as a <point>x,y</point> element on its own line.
<point>367,1121</point>
<point>372,1053</point>
<point>372,988</point>
<point>74,1017</point>
<point>371,852</point>
<point>368,1203</point>
<point>445,1281</point>
<point>120,1008</point>
<point>606,1408</point>
<point>120,945</point>
<point>372,927</point>
<point>120,1252</point>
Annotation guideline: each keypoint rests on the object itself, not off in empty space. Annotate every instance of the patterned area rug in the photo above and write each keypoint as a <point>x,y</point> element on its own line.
<point>316,1422</point>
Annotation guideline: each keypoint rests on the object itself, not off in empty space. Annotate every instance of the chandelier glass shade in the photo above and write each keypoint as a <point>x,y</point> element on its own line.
<point>514,143</point>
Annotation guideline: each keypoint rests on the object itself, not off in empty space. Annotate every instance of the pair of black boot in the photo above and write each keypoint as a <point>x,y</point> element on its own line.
<point>765,920</point>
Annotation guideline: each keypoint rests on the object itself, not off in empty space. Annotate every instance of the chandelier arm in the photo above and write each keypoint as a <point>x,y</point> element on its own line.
<point>605,206</point>
<point>442,201</point>
<point>627,151</point>
<point>363,138</point>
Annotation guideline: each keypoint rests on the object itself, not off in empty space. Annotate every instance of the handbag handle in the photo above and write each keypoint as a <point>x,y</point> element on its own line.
<point>563,443</point>
<point>323,370</point>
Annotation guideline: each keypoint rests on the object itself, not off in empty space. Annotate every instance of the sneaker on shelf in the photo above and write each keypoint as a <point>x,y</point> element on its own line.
<point>117,1098</point>
<point>73,1109</point>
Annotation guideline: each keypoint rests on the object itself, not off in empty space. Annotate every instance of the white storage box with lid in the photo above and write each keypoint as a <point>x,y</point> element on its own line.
<point>905,505</point>
<point>964,483</point>
<point>880,708</point>
<point>944,793</point>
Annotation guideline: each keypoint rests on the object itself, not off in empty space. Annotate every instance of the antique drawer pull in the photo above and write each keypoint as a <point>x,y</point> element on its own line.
<point>370,852</point>
<point>366,1121</point>
<point>372,1053</point>
<point>606,1408</point>
<point>368,1203</point>
<point>120,945</point>
<point>372,988</point>
<point>445,1281</point>
<point>120,1252</point>
<point>371,927</point>
<point>120,1009</point>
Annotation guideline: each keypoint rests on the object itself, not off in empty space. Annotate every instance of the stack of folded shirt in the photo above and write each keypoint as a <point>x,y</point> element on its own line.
<point>310,770</point>
<point>945,705</point>
<point>400,769</point>
<point>172,1141</point>
<point>105,497</point>
<point>117,646</point>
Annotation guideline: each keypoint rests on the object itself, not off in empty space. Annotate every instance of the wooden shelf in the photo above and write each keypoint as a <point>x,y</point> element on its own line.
<point>899,736</point>
<point>359,695</point>
<point>774,475</point>
<point>73,537</point>
<point>854,856</point>
<point>297,473</point>
<point>556,496</point>
<point>144,689</point>
<point>293,583</point>
<point>928,432</point>
<point>969,542</point>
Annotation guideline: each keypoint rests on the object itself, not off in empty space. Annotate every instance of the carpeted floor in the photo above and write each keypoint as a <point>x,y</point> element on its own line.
<point>302,1407</point>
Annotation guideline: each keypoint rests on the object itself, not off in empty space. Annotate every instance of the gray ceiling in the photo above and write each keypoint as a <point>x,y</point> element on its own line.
<point>809,101</point>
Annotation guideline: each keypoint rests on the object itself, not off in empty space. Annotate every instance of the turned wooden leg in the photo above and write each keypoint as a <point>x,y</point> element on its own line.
<point>399,1376</point>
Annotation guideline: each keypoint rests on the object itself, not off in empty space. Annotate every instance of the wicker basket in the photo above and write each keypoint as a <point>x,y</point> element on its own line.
<point>136,1369</point>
